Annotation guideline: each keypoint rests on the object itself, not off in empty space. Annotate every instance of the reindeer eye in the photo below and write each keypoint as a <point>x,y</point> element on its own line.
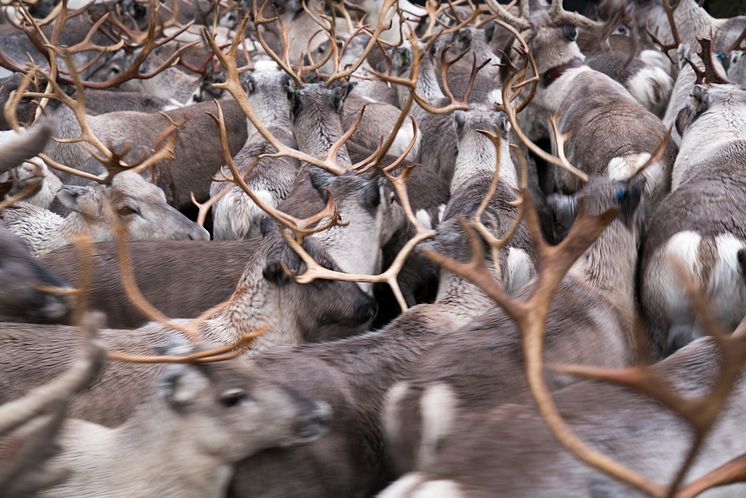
<point>232,398</point>
<point>127,211</point>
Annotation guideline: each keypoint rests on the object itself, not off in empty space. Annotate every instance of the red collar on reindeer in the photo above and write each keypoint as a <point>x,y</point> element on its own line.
<point>553,74</point>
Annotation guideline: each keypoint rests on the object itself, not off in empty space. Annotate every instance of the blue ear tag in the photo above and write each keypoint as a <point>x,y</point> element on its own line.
<point>721,55</point>
<point>620,194</point>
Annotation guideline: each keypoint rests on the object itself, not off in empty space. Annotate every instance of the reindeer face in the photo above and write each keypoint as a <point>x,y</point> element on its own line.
<point>555,46</point>
<point>234,410</point>
<point>320,310</point>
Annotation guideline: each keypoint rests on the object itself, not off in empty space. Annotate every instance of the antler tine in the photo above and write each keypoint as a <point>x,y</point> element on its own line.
<point>510,112</point>
<point>736,45</point>
<point>731,472</point>
<point>502,13</point>
<point>234,87</point>
<point>560,16</point>
<point>379,28</point>
<point>283,62</point>
<point>300,228</point>
<point>711,73</point>
<point>221,353</point>
<point>667,47</point>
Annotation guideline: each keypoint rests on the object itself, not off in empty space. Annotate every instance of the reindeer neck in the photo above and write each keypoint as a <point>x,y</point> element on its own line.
<point>460,298</point>
<point>318,141</point>
<point>255,307</point>
<point>609,266</point>
<point>271,116</point>
<point>476,154</point>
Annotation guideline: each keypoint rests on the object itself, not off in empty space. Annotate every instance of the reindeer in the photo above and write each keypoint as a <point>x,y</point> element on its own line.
<point>601,128</point>
<point>196,421</point>
<point>473,369</point>
<point>690,23</point>
<point>141,205</point>
<point>265,297</point>
<point>705,236</point>
<point>197,154</point>
<point>509,451</point>
<point>353,375</point>
<point>163,267</point>
<point>643,70</point>
<point>235,215</point>
<point>439,144</point>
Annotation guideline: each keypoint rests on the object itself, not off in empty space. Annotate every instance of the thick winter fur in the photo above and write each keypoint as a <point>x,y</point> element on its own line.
<point>479,366</point>
<point>377,122</point>
<point>439,144</point>
<point>484,459</point>
<point>198,153</point>
<point>609,133</point>
<point>265,296</point>
<point>701,222</point>
<point>139,204</point>
<point>196,421</point>
<point>235,216</point>
<point>353,375</point>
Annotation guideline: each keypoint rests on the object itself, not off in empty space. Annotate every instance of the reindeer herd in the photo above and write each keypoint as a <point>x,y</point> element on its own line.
<point>372,248</point>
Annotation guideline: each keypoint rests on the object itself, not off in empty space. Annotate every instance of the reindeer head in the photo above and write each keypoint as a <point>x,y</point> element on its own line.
<point>319,310</point>
<point>371,213</point>
<point>139,204</point>
<point>22,295</point>
<point>267,88</point>
<point>551,35</point>
<point>233,410</point>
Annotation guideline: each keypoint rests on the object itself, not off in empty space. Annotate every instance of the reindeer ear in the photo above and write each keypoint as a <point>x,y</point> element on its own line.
<point>180,384</point>
<point>370,195</point>
<point>273,271</point>
<point>489,31</point>
<point>267,225</point>
<point>340,93</point>
<point>563,209</point>
<point>320,181</point>
<point>503,124</point>
<point>80,199</point>
<point>629,199</point>
<point>459,118</point>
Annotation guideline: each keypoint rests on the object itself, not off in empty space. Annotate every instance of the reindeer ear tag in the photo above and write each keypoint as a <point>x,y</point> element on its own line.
<point>620,194</point>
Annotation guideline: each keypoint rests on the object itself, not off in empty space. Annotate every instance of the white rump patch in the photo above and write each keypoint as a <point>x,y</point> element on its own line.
<point>390,415</point>
<point>726,286</point>
<point>402,487</point>
<point>684,247</point>
<point>651,87</point>
<point>520,270</point>
<point>424,218</point>
<point>438,409</point>
<point>438,489</point>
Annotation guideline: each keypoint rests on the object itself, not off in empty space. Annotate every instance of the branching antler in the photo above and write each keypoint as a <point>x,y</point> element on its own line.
<point>711,73</point>
<point>667,47</point>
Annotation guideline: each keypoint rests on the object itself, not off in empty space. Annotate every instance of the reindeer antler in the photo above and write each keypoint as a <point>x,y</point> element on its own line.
<point>711,73</point>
